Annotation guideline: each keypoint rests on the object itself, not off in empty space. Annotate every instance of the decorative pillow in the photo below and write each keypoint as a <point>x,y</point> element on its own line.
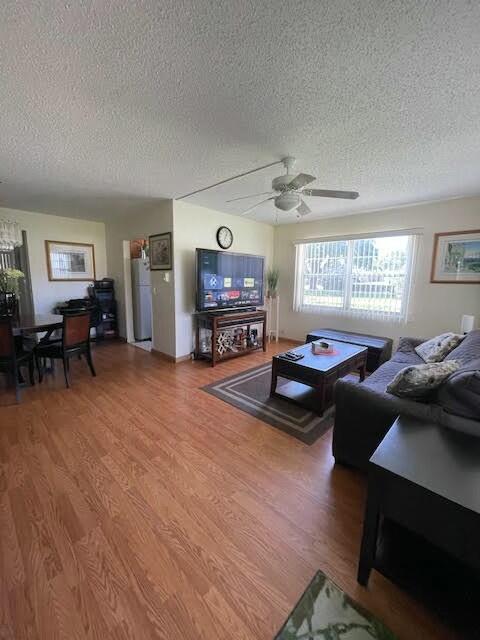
<point>435,349</point>
<point>419,380</point>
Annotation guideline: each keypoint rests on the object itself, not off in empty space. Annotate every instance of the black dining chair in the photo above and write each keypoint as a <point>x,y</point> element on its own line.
<point>13,356</point>
<point>75,341</point>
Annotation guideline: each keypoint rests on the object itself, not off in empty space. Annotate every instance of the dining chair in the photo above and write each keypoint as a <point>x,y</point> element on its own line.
<point>75,341</point>
<point>13,357</point>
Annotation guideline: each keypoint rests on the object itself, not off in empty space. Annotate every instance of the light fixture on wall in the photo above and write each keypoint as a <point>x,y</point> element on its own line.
<point>10,235</point>
<point>467,324</point>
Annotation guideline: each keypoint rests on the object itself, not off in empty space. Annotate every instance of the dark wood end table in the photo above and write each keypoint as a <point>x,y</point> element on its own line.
<point>317,372</point>
<point>426,478</point>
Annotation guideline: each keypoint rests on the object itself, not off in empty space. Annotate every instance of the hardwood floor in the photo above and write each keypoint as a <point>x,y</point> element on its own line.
<point>135,505</point>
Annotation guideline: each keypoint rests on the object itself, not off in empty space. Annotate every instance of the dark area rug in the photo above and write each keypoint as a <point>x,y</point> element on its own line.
<point>250,392</point>
<point>326,612</point>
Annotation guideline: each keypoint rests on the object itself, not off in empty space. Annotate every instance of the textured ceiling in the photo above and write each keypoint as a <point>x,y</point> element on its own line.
<point>107,106</point>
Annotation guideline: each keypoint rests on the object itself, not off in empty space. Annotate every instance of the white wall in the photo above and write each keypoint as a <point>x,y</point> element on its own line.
<point>158,219</point>
<point>194,227</point>
<point>41,227</point>
<point>435,307</point>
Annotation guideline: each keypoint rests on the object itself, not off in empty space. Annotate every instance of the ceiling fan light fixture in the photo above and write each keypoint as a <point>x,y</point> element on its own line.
<point>287,190</point>
<point>287,201</point>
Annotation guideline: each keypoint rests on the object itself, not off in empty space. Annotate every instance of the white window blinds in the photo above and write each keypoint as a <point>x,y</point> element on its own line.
<point>367,276</point>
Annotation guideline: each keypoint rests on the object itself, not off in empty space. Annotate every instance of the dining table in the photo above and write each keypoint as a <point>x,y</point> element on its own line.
<point>25,324</point>
<point>28,323</point>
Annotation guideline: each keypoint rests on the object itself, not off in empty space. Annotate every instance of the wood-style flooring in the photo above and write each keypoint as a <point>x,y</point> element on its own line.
<point>135,505</point>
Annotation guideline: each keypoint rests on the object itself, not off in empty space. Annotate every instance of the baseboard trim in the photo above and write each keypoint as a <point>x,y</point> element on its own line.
<point>291,340</point>
<point>175,360</point>
<point>168,357</point>
<point>183,358</point>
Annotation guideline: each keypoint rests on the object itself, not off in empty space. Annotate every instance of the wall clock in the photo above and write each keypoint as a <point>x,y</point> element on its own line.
<point>224,237</point>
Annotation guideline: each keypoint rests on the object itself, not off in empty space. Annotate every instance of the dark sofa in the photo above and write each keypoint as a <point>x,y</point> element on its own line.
<point>364,411</point>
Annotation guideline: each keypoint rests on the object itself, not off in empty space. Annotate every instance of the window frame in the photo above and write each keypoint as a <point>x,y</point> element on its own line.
<point>346,309</point>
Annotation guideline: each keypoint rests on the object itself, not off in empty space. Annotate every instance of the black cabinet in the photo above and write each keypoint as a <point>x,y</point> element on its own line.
<point>102,306</point>
<point>102,294</point>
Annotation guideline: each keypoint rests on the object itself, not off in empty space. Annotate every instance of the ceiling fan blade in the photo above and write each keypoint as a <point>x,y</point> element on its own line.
<point>253,195</point>
<point>300,181</point>
<point>257,205</point>
<point>303,209</point>
<point>328,193</point>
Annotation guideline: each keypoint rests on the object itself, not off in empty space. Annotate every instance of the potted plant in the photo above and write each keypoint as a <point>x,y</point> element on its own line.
<point>273,274</point>
<point>9,290</point>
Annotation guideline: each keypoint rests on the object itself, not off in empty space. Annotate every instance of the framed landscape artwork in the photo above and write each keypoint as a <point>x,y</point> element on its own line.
<point>70,260</point>
<point>160,251</point>
<point>456,257</point>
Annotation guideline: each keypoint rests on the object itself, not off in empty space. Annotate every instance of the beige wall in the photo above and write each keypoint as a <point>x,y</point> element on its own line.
<point>41,227</point>
<point>194,227</point>
<point>173,302</point>
<point>435,307</point>
<point>158,219</point>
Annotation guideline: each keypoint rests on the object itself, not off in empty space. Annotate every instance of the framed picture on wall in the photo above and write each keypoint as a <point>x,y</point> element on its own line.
<point>70,260</point>
<point>160,251</point>
<point>456,257</point>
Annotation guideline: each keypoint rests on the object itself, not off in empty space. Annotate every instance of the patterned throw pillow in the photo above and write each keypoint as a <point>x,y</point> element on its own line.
<point>418,381</point>
<point>435,349</point>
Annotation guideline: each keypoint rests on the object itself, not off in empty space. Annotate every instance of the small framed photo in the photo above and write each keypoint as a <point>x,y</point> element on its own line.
<point>160,251</point>
<point>70,260</point>
<point>456,257</point>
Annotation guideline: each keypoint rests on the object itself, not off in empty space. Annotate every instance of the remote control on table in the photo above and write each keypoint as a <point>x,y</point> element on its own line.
<point>290,355</point>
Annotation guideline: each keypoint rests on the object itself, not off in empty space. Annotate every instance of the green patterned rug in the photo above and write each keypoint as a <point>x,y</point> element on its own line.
<point>325,612</point>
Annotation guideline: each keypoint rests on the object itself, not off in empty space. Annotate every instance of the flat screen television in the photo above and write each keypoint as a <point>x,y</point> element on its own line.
<point>228,280</point>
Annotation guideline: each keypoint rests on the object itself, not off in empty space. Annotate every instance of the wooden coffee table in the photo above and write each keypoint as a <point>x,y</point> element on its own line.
<point>313,376</point>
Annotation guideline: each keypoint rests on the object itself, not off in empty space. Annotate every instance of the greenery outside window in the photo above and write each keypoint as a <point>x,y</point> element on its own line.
<point>367,276</point>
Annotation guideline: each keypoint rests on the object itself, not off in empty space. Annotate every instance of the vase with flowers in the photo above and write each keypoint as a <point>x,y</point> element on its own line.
<point>9,290</point>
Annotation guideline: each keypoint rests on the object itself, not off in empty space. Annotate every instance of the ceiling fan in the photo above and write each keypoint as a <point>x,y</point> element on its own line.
<point>288,191</point>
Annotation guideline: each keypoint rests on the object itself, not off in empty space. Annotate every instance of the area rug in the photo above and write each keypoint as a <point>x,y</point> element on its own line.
<point>250,392</point>
<point>326,612</point>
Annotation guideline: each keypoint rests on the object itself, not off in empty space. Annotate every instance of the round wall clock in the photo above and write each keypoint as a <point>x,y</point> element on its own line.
<point>224,237</point>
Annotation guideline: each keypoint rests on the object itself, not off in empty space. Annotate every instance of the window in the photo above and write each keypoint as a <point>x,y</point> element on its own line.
<point>7,260</point>
<point>369,276</point>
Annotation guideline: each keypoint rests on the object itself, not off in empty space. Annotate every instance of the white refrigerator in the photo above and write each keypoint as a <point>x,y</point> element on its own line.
<point>142,299</point>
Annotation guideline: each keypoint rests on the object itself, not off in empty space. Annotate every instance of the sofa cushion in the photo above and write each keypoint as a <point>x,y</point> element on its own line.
<point>379,379</point>
<point>408,344</point>
<point>418,381</point>
<point>460,394</point>
<point>468,349</point>
<point>435,349</point>
<point>406,351</point>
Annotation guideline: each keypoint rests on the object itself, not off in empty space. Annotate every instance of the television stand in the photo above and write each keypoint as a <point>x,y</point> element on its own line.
<point>220,336</point>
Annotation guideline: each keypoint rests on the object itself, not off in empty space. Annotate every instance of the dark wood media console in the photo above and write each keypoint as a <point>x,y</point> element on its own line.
<point>223,335</point>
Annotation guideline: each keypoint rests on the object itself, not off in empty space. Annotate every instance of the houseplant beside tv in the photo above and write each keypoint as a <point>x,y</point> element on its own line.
<point>272,276</point>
